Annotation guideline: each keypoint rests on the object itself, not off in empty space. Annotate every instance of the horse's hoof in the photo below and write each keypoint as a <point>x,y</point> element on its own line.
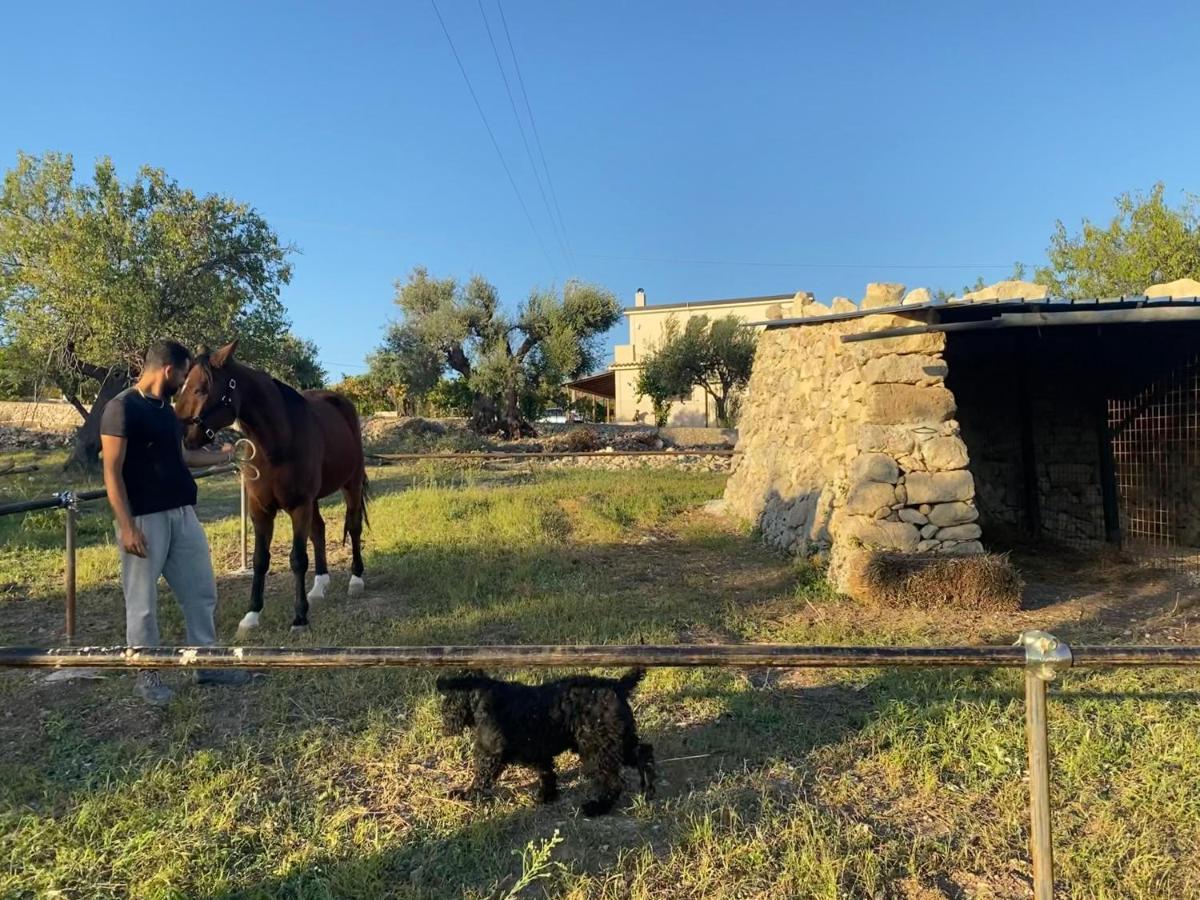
<point>299,629</point>
<point>357,586</point>
<point>250,621</point>
<point>320,583</point>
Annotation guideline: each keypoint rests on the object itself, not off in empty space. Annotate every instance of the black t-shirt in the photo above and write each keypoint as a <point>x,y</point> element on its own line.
<point>156,477</point>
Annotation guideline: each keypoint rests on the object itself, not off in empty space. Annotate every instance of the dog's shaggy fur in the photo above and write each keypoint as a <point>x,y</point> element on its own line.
<point>531,725</point>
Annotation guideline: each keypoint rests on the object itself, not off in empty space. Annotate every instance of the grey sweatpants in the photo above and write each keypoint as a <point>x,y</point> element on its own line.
<point>177,549</point>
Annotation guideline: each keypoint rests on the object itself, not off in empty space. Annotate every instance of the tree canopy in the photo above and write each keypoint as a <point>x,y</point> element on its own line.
<point>1145,243</point>
<point>509,363</point>
<point>91,273</point>
<point>713,355</point>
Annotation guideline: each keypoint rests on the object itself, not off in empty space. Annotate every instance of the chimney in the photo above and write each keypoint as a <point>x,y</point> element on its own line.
<point>639,298</point>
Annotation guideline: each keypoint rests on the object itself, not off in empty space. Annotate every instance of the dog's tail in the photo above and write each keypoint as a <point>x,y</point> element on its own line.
<point>630,680</point>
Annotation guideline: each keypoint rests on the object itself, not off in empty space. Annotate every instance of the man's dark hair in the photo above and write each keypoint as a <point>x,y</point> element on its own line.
<point>167,353</point>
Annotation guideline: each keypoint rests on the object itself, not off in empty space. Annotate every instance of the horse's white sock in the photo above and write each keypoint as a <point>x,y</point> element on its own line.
<point>357,586</point>
<point>320,583</point>
<point>249,620</point>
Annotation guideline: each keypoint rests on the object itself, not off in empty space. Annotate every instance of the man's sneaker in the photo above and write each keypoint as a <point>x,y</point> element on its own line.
<point>149,686</point>
<point>231,677</point>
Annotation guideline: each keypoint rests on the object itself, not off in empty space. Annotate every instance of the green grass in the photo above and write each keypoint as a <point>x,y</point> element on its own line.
<point>823,784</point>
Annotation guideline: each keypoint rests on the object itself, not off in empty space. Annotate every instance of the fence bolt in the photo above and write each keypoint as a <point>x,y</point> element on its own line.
<point>1044,656</point>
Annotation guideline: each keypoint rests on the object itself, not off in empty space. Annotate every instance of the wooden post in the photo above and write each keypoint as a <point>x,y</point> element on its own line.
<point>1108,475</point>
<point>1029,467</point>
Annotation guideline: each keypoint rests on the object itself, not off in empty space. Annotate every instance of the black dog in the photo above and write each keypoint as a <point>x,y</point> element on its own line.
<point>517,723</point>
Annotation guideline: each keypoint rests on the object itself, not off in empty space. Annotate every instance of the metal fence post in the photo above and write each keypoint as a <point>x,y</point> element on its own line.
<point>242,483</point>
<point>72,509</point>
<point>1044,655</point>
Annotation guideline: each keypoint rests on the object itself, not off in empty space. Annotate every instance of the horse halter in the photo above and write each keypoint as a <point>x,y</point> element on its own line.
<point>226,400</point>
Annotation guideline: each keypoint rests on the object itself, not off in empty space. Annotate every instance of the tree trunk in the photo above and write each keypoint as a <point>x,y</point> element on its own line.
<point>721,401</point>
<point>86,452</point>
<point>484,418</point>
<point>514,423</point>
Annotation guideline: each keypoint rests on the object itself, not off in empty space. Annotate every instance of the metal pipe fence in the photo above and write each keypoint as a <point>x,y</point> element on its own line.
<point>69,501</point>
<point>1041,655</point>
<point>548,454</point>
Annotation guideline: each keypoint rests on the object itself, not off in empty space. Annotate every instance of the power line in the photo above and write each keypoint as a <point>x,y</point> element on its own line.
<point>792,265</point>
<point>491,134</point>
<point>558,233</point>
<point>533,122</point>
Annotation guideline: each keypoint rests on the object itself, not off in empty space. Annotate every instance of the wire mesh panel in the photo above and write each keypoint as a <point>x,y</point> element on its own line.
<point>1156,453</point>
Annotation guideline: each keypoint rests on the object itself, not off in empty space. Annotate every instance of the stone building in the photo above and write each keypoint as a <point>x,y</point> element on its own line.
<point>1004,416</point>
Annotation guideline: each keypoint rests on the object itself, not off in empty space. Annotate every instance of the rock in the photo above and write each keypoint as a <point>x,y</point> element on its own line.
<point>816,309</point>
<point>802,299</point>
<point>895,442</point>
<point>943,453</point>
<point>716,507</point>
<point>882,294</point>
<point>926,546</point>
<point>897,404</point>
<point>911,515</point>
<point>901,495</point>
<point>925,509</point>
<point>917,295</point>
<point>967,548</point>
<point>961,533</point>
<point>874,467</point>
<point>884,512</point>
<point>1008,290</point>
<point>950,514</point>
<point>929,531</point>
<point>774,311</point>
<point>867,496</point>
<point>940,487</point>
<point>843,305</point>
<point>1180,287</point>
<point>911,368</point>
<point>884,535</point>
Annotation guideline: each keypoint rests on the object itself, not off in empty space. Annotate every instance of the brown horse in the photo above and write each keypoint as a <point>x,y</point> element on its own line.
<point>306,446</point>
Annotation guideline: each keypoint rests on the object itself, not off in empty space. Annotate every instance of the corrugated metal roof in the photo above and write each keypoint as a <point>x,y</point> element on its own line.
<point>948,312</point>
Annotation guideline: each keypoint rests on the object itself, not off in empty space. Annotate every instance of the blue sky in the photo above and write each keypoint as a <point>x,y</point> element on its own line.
<point>698,150</point>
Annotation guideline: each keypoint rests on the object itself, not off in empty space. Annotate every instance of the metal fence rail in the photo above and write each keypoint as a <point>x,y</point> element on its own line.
<point>548,454</point>
<point>69,502</point>
<point>1041,655</point>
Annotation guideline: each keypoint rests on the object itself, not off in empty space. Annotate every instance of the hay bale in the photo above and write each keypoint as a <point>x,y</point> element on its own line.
<point>983,582</point>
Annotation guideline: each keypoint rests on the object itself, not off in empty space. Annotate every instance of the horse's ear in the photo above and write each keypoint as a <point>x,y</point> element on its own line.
<point>222,357</point>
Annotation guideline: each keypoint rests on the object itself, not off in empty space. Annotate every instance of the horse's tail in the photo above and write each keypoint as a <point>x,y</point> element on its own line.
<point>350,413</point>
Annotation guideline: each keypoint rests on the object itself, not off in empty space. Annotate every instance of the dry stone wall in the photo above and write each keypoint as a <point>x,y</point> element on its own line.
<point>853,445</point>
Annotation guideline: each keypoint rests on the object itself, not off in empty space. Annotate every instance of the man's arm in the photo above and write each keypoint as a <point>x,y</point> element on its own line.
<point>113,449</point>
<point>200,459</point>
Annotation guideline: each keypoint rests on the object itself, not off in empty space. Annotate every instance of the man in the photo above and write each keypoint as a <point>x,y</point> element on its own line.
<point>153,497</point>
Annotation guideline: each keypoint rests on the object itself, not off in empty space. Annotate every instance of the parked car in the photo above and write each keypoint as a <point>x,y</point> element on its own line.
<point>556,415</point>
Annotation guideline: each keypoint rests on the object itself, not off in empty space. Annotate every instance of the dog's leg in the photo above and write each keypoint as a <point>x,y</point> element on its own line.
<point>645,767</point>
<point>602,765</point>
<point>487,769</point>
<point>547,791</point>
